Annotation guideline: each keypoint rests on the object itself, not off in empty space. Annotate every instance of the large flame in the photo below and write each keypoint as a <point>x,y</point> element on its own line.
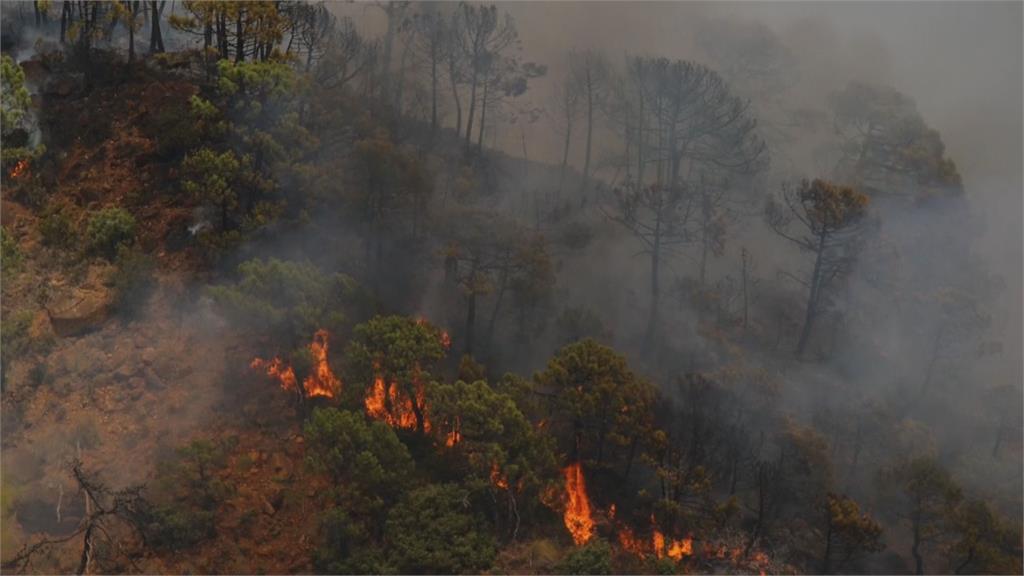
<point>320,382</point>
<point>20,168</point>
<point>387,402</point>
<point>577,511</point>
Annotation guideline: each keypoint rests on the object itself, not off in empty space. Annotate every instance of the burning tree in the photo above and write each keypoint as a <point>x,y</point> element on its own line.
<point>390,362</point>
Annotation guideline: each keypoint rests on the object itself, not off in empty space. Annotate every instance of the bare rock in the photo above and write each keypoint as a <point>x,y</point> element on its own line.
<point>79,310</point>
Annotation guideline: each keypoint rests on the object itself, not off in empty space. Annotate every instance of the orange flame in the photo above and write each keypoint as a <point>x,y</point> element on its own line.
<point>577,511</point>
<point>387,402</point>
<point>20,168</point>
<point>455,435</point>
<point>497,478</point>
<point>680,548</point>
<point>631,543</point>
<point>675,549</point>
<point>320,382</point>
<point>658,541</point>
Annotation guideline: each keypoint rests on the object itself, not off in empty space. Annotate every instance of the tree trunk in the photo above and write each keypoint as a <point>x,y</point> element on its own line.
<point>470,320</point>
<point>825,568</point>
<point>915,549</point>
<point>433,86</point>
<point>156,38</point>
<point>483,116</point>
<point>590,133</point>
<point>812,299</point>
<point>652,319</point>
<point>455,96</point>
<point>565,157</point>
<point>65,17</point>
<point>472,109</point>
<point>239,38</point>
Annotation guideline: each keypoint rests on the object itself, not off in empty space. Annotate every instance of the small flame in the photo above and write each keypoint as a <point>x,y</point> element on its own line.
<point>497,478</point>
<point>455,435</point>
<point>20,168</point>
<point>680,548</point>
<point>577,511</point>
<point>320,382</point>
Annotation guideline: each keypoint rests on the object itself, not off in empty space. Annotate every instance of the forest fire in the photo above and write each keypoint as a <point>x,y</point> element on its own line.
<point>388,403</point>
<point>321,381</point>
<point>577,511</point>
<point>454,436</point>
<point>19,169</point>
<point>497,478</point>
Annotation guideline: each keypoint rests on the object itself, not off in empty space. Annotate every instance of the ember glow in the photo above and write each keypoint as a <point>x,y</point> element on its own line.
<point>19,169</point>
<point>577,510</point>
<point>320,382</point>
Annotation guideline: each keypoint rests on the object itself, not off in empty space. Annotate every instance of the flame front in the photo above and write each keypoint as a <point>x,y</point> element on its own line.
<point>320,382</point>
<point>577,511</point>
<point>20,168</point>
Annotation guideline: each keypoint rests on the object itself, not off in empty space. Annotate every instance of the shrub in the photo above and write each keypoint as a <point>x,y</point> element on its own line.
<point>175,527</point>
<point>289,299</point>
<point>10,255</point>
<point>108,229</point>
<point>594,558</point>
<point>57,228</point>
<point>432,532</point>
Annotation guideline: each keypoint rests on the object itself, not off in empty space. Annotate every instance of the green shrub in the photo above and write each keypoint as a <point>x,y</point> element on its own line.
<point>288,299</point>
<point>108,229</point>
<point>132,279</point>
<point>57,228</point>
<point>594,558</point>
<point>431,531</point>
<point>10,254</point>
<point>175,527</point>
